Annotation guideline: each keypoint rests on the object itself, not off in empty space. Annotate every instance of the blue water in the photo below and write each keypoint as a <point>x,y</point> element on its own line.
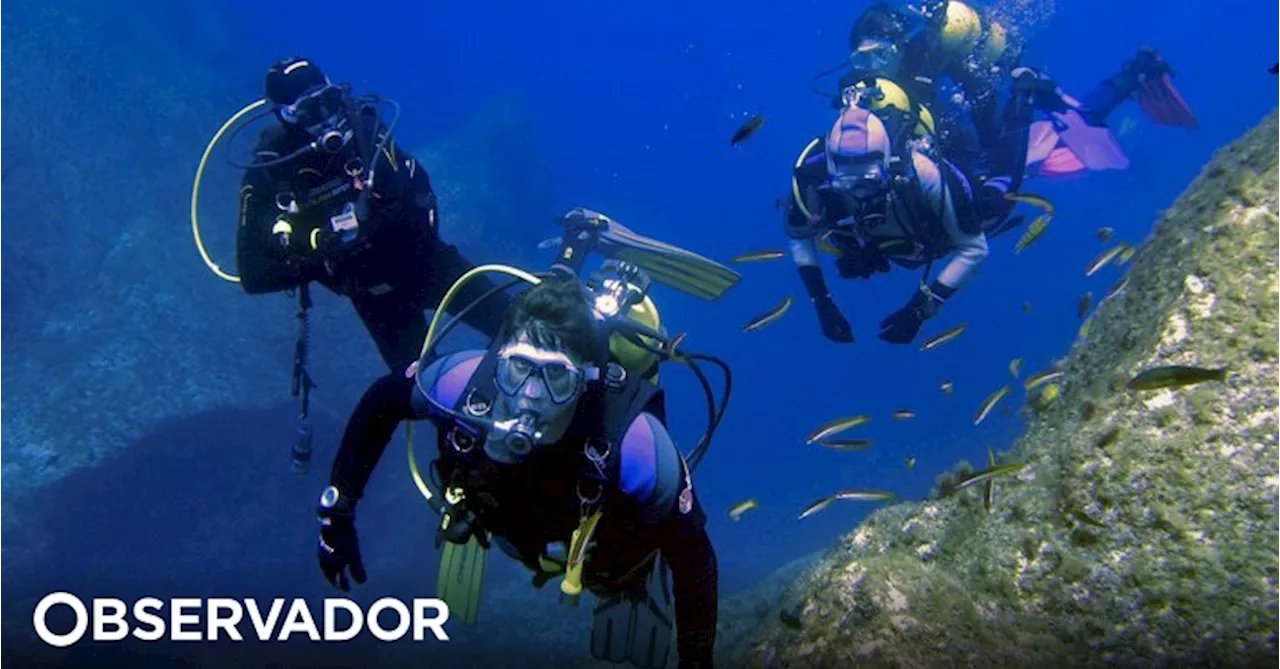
<point>632,106</point>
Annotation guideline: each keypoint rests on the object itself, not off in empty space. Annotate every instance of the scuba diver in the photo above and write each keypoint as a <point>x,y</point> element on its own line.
<point>553,446</point>
<point>331,198</point>
<point>908,54</point>
<point>858,198</point>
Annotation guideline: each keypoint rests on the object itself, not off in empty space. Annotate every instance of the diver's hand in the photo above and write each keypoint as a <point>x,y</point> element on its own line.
<point>339,549</point>
<point>834,325</point>
<point>902,326</point>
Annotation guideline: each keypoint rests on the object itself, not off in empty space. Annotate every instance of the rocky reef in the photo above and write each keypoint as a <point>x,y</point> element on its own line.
<point>1144,530</point>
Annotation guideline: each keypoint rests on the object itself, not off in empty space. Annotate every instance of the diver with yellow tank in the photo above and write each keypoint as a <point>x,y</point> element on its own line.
<point>552,445</point>
<point>953,60</point>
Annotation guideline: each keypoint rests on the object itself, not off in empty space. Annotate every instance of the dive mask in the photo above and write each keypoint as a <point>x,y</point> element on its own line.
<point>562,382</point>
<point>317,110</point>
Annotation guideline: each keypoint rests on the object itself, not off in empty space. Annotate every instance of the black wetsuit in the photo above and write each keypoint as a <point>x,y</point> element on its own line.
<point>395,267</point>
<point>649,503</point>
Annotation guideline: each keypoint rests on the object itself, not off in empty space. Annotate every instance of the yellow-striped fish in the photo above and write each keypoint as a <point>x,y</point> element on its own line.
<point>989,490</point>
<point>836,426</point>
<point>947,387</point>
<point>759,256</point>
<point>746,130</point>
<point>990,473</point>
<point>943,337</point>
<point>1105,257</point>
<point>1015,367</point>
<point>1034,231</point>
<point>990,403</point>
<point>742,507</point>
<point>910,462</point>
<point>865,496</point>
<point>1126,255</point>
<point>1036,380</point>
<point>1116,288</point>
<point>903,414</point>
<point>846,444</point>
<point>768,316</point>
<point>815,507</point>
<point>1105,234</point>
<point>1034,200</point>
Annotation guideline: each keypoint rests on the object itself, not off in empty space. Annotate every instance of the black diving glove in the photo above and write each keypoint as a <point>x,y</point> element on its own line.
<point>901,326</point>
<point>339,549</point>
<point>834,325</point>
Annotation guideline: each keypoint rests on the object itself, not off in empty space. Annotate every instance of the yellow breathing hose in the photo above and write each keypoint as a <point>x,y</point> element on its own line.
<point>418,480</point>
<point>795,185</point>
<point>195,189</point>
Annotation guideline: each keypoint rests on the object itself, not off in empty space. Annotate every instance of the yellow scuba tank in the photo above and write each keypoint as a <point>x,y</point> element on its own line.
<point>965,32</point>
<point>879,93</point>
<point>635,359</point>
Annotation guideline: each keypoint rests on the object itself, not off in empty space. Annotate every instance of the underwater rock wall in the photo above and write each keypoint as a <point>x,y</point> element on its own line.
<point>1144,531</point>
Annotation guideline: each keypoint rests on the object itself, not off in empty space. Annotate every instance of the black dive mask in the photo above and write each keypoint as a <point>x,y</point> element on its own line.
<point>863,190</point>
<point>320,113</point>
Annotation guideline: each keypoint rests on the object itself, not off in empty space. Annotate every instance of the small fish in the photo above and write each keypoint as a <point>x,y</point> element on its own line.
<point>815,507</point>
<point>989,489</point>
<point>947,387</point>
<point>865,496</point>
<point>1175,376</point>
<point>1109,437</point>
<point>790,619</point>
<point>1274,69</point>
<point>1034,200</point>
<point>1105,257</point>
<point>759,256</point>
<point>1105,234</point>
<point>990,403</point>
<point>550,243</point>
<point>1126,255</point>
<point>1087,519</point>
<point>904,414</point>
<point>742,507</point>
<point>846,444</point>
<point>836,426</point>
<point>1086,301</point>
<point>768,316</point>
<point>1034,231</point>
<point>1116,288</point>
<point>1015,367</point>
<point>910,462</point>
<point>1048,396</point>
<point>990,473</point>
<point>1039,379</point>
<point>1026,307</point>
<point>943,337</point>
<point>746,130</point>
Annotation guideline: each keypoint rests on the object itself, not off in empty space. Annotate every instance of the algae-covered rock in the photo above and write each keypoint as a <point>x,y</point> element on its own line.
<point>1144,531</point>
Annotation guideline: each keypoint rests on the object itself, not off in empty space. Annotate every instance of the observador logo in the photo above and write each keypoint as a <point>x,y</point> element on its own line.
<point>216,619</point>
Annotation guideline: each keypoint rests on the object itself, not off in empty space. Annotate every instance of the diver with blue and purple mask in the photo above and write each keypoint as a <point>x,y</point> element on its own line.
<point>552,446</point>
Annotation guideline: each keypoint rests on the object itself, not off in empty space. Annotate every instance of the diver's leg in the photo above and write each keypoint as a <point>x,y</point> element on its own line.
<point>1147,76</point>
<point>396,325</point>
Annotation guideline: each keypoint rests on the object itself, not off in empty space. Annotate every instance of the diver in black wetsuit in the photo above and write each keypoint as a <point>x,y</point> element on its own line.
<point>331,198</point>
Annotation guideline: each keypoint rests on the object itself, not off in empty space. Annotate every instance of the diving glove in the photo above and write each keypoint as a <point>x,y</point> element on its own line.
<point>1042,92</point>
<point>834,325</point>
<point>339,550</point>
<point>902,326</point>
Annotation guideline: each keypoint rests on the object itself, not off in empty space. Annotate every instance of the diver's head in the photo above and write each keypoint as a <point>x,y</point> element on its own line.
<point>550,351</point>
<point>304,100</point>
<point>877,41</point>
<point>858,151</point>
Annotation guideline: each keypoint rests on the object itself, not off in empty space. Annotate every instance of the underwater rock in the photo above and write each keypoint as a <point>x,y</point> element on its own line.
<point>1158,549</point>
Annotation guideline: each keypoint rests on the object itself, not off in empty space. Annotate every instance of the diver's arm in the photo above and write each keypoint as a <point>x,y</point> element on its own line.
<point>265,260</point>
<point>804,252</point>
<point>377,415</point>
<point>655,476</point>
